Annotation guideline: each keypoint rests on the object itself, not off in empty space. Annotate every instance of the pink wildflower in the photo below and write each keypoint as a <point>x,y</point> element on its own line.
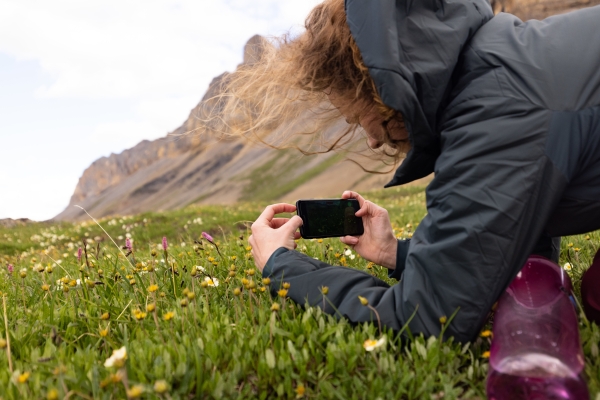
<point>164,243</point>
<point>211,240</point>
<point>10,268</point>
<point>130,248</point>
<point>79,255</point>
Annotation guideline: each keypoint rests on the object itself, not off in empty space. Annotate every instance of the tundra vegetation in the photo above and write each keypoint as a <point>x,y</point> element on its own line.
<point>190,316</point>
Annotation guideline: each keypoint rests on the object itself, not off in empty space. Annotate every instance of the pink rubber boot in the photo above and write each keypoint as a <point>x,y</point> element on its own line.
<point>536,351</point>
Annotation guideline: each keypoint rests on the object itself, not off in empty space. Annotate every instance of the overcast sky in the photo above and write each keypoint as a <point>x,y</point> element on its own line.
<point>83,79</point>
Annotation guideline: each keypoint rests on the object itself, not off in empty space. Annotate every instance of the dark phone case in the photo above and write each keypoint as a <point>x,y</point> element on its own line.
<point>303,233</point>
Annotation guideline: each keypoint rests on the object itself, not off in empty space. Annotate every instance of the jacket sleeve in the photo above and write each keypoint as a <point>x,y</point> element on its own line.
<point>493,192</point>
<point>401,254</point>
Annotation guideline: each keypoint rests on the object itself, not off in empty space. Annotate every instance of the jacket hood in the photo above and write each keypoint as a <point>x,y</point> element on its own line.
<point>411,48</point>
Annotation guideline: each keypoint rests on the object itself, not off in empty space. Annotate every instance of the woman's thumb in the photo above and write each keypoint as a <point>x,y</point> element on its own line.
<point>293,224</point>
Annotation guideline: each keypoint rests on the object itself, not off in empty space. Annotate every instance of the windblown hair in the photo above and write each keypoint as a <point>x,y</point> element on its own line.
<point>291,80</point>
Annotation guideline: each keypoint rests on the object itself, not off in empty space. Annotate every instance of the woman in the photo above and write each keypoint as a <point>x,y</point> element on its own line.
<point>506,113</point>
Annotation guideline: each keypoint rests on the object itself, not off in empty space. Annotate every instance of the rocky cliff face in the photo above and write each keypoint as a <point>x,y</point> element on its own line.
<point>184,168</point>
<point>539,9</point>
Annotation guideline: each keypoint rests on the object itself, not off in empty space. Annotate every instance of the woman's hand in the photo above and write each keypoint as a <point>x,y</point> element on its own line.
<point>378,243</point>
<point>270,233</point>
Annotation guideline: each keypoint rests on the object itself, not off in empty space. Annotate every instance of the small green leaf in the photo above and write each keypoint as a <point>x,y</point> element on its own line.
<point>270,357</point>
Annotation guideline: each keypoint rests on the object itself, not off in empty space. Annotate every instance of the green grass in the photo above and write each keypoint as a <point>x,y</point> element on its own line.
<point>218,343</point>
<point>275,178</point>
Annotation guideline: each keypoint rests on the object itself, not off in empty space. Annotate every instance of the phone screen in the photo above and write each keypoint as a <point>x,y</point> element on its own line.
<point>329,218</point>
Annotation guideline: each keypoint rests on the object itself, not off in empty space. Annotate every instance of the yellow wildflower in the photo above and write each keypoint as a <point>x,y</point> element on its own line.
<point>233,258</point>
<point>286,285</point>
<point>587,237</point>
<point>139,315</point>
<point>103,332</point>
<point>184,302</point>
<point>486,354</point>
<point>248,248</point>
<point>3,343</point>
<point>168,316</point>
<point>275,307</point>
<point>320,241</point>
<point>250,272</point>
<point>232,273</point>
<point>23,377</point>
<point>300,390</point>
<point>570,244</point>
<point>324,290</point>
<point>263,289</point>
<point>443,319</point>
<point>237,292</point>
<point>151,307</point>
<point>105,316</point>
<point>486,333</point>
<point>266,281</point>
<point>191,295</point>
<point>363,301</point>
<point>52,394</point>
<point>161,386</point>
<point>282,293</point>
<point>135,391</point>
<point>45,287</point>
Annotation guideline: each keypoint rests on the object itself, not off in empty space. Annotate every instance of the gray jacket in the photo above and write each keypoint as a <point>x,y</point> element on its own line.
<point>507,115</point>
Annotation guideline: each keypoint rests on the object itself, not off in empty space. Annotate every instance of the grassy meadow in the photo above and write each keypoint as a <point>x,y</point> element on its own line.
<point>196,320</point>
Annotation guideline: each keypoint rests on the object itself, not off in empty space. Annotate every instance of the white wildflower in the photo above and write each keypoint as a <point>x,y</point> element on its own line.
<point>117,359</point>
<point>371,344</point>
<point>212,281</point>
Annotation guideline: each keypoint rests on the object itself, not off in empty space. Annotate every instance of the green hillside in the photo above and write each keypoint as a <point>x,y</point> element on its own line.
<point>197,322</point>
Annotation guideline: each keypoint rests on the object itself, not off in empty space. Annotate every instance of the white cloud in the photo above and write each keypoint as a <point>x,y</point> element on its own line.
<point>120,48</point>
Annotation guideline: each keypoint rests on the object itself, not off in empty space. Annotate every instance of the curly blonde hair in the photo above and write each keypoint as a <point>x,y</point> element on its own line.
<point>291,79</point>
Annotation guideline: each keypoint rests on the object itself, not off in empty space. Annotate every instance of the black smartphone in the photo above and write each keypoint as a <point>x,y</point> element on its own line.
<point>329,218</point>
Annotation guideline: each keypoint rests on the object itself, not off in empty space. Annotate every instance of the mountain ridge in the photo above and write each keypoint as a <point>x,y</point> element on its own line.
<point>186,168</point>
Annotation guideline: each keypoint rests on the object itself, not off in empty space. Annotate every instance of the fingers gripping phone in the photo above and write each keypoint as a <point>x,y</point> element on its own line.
<point>329,218</point>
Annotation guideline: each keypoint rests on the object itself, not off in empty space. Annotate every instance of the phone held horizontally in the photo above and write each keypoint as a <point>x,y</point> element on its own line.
<point>329,218</point>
